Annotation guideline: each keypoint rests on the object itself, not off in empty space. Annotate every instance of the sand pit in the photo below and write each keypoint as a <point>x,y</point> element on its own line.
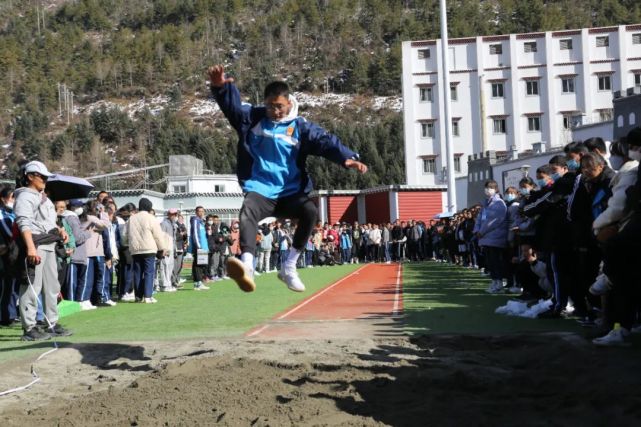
<point>549,379</point>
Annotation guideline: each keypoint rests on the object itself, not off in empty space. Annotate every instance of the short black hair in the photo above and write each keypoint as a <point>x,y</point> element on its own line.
<point>277,88</point>
<point>527,181</point>
<point>558,160</point>
<point>490,183</point>
<point>620,147</point>
<point>634,137</point>
<point>576,148</point>
<point>545,170</point>
<point>595,144</point>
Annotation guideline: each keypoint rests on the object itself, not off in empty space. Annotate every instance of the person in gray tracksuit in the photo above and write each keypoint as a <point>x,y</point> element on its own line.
<point>36,219</point>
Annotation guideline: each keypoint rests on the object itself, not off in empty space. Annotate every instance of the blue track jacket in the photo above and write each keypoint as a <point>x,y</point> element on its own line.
<point>272,155</point>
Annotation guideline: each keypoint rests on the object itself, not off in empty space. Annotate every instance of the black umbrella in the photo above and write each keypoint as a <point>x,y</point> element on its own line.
<point>64,187</point>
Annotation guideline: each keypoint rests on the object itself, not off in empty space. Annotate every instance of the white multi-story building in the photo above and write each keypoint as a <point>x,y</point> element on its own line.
<point>511,93</point>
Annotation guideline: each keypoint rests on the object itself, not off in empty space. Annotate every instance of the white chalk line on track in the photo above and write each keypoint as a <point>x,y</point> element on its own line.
<point>397,293</point>
<point>307,301</point>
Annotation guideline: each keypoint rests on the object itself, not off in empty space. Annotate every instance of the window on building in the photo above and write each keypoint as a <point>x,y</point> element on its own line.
<point>497,90</point>
<point>637,79</point>
<point>532,87</point>
<point>427,130</point>
<point>423,53</point>
<point>457,163</point>
<point>496,49</point>
<point>453,93</point>
<point>602,41</point>
<point>529,47</point>
<point>565,44</point>
<point>499,126</point>
<point>219,188</point>
<point>425,94</point>
<point>636,38</point>
<point>605,83</point>
<point>534,124</point>
<point>455,129</point>
<point>180,188</point>
<point>567,85</point>
<point>606,114</point>
<point>632,119</point>
<point>567,122</point>
<point>429,165</point>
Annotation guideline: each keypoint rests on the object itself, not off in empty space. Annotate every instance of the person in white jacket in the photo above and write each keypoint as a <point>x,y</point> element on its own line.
<point>168,227</point>
<point>615,214</point>
<point>146,241</point>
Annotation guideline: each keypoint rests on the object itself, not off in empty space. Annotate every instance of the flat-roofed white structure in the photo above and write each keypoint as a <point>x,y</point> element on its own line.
<point>511,93</point>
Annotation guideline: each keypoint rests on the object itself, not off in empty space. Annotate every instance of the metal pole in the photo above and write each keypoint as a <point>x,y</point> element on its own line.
<point>449,147</point>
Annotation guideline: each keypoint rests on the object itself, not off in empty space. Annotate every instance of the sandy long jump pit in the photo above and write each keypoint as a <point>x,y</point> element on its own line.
<point>355,369</point>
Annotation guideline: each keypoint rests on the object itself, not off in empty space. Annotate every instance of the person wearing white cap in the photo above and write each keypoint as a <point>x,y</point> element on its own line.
<point>36,218</point>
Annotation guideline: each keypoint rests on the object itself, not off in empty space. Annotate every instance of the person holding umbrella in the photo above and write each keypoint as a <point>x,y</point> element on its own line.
<point>36,220</point>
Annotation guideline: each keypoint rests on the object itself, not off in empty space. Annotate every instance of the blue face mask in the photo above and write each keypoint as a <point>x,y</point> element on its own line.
<point>524,191</point>
<point>510,197</point>
<point>541,183</point>
<point>555,177</point>
<point>573,165</point>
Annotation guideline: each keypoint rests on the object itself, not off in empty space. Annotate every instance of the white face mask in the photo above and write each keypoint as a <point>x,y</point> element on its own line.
<point>634,155</point>
<point>9,205</point>
<point>210,222</point>
<point>78,211</point>
<point>616,162</point>
<point>489,192</point>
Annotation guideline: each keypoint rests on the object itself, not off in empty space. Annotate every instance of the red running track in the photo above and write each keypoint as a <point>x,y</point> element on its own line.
<point>372,292</point>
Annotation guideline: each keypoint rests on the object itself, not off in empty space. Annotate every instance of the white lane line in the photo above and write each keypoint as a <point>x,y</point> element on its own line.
<point>397,294</point>
<point>257,331</point>
<point>313,297</point>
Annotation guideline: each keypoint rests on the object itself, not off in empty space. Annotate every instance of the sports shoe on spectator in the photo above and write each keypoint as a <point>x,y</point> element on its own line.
<point>59,331</point>
<point>243,275</point>
<point>87,305</point>
<point>291,279</point>
<point>181,281</point>
<point>256,273</point>
<point>170,289</point>
<point>601,285</point>
<point>514,290</point>
<point>150,300</point>
<point>496,287</point>
<point>35,334</point>
<point>128,297</point>
<point>618,337</point>
<point>199,286</point>
<point>108,303</point>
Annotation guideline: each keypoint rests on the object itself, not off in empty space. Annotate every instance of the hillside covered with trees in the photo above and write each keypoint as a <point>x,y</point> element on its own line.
<point>124,51</point>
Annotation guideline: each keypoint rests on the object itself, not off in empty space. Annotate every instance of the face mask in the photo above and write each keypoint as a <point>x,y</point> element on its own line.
<point>210,222</point>
<point>616,162</point>
<point>555,177</point>
<point>489,192</point>
<point>524,191</point>
<point>634,155</point>
<point>9,205</point>
<point>510,197</point>
<point>78,211</point>
<point>541,183</point>
<point>573,165</point>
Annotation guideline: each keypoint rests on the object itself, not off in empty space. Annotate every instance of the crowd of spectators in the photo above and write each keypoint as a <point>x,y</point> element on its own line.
<point>569,234</point>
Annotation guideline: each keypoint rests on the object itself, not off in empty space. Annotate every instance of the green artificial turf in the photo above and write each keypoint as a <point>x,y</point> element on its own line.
<point>222,311</point>
<point>441,298</point>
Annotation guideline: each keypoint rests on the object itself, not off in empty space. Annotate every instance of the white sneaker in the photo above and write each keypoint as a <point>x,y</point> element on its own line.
<point>291,279</point>
<point>170,289</point>
<point>514,290</point>
<point>615,338</point>
<point>496,287</point>
<point>256,273</point>
<point>87,305</point>
<point>128,297</point>
<point>182,280</point>
<point>108,303</point>
<point>242,274</point>
<point>200,287</point>
<point>150,300</point>
<point>601,285</point>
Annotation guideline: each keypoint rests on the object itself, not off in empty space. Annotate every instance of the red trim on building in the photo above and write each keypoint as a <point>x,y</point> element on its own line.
<point>567,75</point>
<point>474,70</point>
<point>419,205</point>
<point>533,114</point>
<point>524,67</point>
<point>561,64</point>
<point>566,33</point>
<point>532,78</point>
<point>428,156</point>
<point>604,61</point>
<point>424,43</point>
<point>635,27</point>
<point>603,30</point>
<point>429,73</point>
<point>499,116</point>
<point>426,120</point>
<point>604,73</point>
<point>496,80</point>
<point>464,40</point>
<point>498,68</point>
<point>425,84</point>
<point>530,36</point>
<point>495,38</point>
